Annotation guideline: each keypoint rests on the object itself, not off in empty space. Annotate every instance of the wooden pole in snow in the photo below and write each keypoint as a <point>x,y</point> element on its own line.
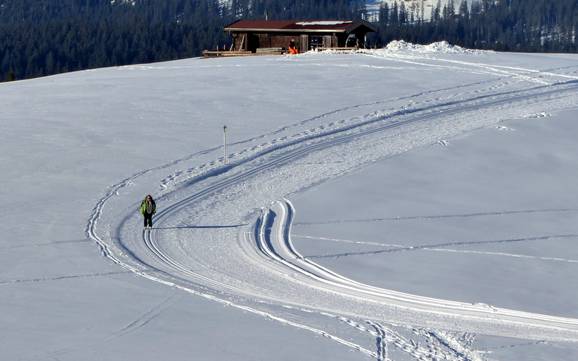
<point>225,160</point>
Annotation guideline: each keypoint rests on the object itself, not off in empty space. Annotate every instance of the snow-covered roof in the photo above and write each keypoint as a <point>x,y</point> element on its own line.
<point>336,26</point>
<point>322,23</point>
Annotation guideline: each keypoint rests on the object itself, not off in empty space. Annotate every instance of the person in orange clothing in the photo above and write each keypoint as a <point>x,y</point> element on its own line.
<point>292,48</point>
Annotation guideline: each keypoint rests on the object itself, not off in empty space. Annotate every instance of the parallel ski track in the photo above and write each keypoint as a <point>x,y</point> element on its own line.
<point>342,135</point>
<point>198,284</point>
<point>274,241</point>
<point>302,147</point>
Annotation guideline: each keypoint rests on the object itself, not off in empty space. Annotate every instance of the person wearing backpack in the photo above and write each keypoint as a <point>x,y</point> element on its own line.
<point>148,208</point>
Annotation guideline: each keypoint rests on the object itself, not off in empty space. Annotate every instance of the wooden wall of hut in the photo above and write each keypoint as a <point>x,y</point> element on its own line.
<point>304,42</point>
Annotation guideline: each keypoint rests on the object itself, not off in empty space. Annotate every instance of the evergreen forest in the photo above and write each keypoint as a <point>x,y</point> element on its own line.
<point>43,37</point>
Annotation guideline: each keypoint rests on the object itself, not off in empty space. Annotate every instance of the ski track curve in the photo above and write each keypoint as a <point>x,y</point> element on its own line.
<point>266,244</point>
<point>276,244</point>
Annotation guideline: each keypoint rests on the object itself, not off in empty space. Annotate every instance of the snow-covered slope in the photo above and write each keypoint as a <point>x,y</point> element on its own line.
<point>82,149</point>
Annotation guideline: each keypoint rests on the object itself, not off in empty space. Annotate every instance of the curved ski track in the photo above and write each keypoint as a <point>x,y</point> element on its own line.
<point>265,268</point>
<point>273,238</point>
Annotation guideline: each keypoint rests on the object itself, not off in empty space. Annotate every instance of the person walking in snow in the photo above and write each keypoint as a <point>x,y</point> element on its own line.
<point>148,207</point>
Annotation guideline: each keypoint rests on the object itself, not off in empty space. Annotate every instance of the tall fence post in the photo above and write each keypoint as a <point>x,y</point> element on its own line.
<point>225,160</point>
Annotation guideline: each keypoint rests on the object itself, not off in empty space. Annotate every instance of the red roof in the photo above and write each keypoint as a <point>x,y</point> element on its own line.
<point>297,25</point>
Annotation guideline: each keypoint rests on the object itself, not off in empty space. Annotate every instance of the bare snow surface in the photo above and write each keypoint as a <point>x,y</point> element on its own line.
<point>407,203</point>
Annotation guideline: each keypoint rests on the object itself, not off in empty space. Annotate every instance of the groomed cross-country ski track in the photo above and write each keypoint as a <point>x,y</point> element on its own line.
<point>223,230</point>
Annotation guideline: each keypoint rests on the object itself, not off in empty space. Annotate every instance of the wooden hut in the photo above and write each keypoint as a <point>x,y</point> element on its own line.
<point>267,36</point>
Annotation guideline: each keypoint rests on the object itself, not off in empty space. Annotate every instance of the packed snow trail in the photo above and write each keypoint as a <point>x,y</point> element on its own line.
<point>273,239</point>
<point>218,234</point>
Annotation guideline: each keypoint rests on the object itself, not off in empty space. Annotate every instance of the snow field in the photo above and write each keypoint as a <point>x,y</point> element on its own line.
<point>205,241</point>
<point>224,189</point>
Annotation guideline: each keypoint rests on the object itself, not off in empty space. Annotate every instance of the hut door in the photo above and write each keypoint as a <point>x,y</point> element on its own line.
<point>252,42</point>
<point>304,43</point>
<point>327,41</point>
